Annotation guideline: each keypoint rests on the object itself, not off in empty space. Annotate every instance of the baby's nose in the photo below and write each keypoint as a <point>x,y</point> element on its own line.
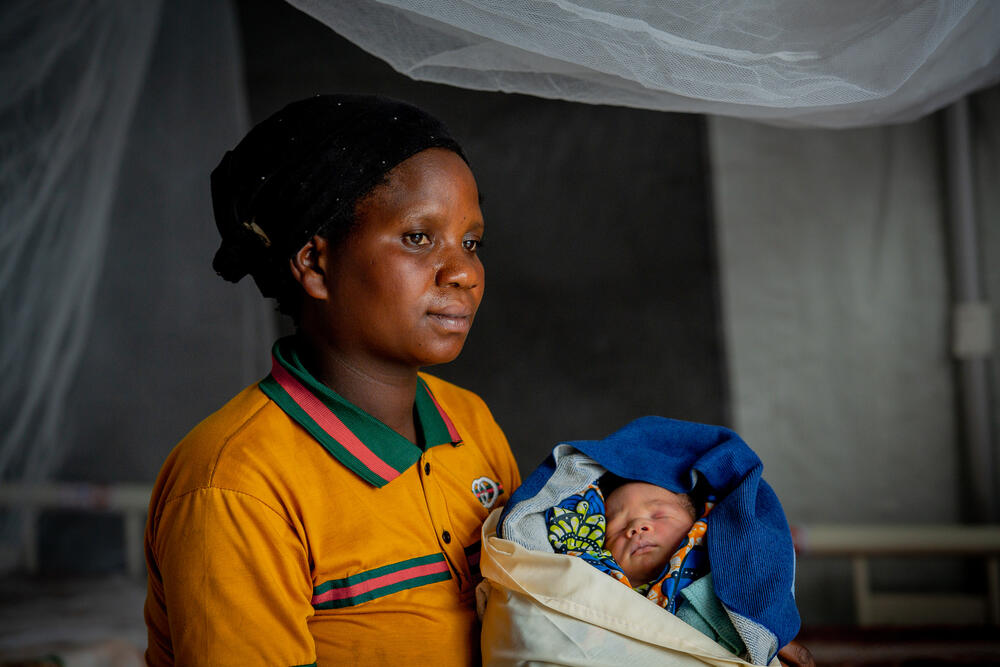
<point>638,526</point>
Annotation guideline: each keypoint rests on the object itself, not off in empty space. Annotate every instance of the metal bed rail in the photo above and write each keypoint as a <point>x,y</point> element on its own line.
<point>129,500</point>
<point>861,543</point>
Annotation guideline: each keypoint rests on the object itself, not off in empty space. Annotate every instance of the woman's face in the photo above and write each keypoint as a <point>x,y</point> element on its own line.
<point>404,286</point>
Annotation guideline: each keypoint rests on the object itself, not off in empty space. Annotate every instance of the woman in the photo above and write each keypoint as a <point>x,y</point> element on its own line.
<point>331,512</point>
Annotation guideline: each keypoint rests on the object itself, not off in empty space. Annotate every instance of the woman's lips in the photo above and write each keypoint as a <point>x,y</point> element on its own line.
<point>455,322</point>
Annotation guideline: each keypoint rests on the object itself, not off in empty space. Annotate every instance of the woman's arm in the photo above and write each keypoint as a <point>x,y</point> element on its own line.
<point>229,583</point>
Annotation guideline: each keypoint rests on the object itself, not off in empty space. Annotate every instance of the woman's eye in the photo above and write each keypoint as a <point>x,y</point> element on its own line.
<point>472,245</point>
<point>417,238</point>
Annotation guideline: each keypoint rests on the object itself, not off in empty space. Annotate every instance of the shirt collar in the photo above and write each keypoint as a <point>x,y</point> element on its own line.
<point>375,452</point>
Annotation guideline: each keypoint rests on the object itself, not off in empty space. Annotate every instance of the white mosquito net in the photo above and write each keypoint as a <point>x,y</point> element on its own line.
<point>808,62</point>
<point>71,73</point>
<point>111,117</point>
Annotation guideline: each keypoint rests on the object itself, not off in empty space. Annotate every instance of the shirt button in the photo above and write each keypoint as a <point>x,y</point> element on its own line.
<point>446,536</point>
<point>427,468</point>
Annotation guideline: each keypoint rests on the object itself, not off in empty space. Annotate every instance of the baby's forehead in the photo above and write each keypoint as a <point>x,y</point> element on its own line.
<point>642,493</point>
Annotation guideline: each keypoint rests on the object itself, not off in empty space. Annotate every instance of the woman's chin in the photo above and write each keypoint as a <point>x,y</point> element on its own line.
<point>441,354</point>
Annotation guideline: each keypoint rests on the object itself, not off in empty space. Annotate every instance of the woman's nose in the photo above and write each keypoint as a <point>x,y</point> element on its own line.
<point>459,268</point>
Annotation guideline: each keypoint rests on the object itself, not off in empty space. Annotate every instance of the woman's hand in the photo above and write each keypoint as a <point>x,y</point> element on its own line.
<point>794,654</point>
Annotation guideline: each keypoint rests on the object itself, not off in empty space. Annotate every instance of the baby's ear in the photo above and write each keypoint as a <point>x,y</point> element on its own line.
<point>308,267</point>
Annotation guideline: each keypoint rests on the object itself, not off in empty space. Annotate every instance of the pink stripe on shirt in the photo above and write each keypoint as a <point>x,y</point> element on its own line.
<point>380,582</point>
<point>452,431</point>
<point>331,423</point>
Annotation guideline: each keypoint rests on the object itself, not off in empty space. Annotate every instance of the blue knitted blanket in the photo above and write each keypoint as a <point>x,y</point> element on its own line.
<point>749,544</point>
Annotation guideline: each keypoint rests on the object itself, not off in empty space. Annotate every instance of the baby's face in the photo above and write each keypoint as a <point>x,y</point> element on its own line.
<point>645,526</point>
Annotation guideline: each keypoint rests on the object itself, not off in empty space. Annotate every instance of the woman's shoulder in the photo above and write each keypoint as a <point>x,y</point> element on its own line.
<point>468,411</point>
<point>247,439</point>
<point>455,398</point>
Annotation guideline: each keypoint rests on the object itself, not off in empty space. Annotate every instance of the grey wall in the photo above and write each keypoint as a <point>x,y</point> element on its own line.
<point>835,283</point>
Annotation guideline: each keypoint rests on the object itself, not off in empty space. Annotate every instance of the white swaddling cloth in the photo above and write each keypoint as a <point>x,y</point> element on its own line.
<point>543,608</point>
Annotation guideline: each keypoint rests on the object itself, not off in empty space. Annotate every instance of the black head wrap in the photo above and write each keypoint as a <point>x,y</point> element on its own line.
<point>302,170</point>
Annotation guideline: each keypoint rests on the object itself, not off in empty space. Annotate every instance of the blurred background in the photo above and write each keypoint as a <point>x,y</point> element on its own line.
<point>802,245</point>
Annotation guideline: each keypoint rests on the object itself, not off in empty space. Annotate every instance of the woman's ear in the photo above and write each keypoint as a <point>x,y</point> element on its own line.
<point>308,267</point>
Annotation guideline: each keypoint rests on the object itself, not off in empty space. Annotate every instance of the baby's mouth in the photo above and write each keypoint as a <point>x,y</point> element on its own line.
<point>642,548</point>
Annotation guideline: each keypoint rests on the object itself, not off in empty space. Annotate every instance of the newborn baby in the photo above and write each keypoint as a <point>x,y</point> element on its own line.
<point>652,540</point>
<point>676,511</point>
<point>645,525</point>
<point>644,535</point>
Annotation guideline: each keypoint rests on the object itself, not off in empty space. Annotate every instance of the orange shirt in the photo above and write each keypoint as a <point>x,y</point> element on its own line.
<point>291,528</point>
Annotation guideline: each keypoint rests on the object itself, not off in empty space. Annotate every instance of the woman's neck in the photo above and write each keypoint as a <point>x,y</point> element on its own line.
<point>386,394</point>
